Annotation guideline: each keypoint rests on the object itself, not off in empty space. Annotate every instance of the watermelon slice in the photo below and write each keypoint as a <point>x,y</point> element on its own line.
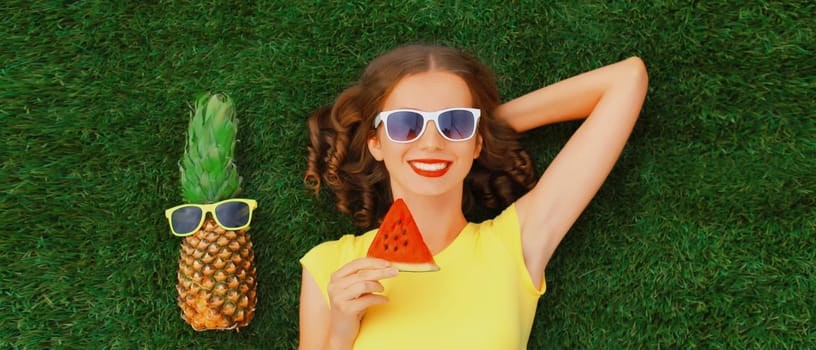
<point>398,240</point>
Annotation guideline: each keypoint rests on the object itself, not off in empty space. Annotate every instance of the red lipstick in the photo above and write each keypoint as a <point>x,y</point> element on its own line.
<point>430,167</point>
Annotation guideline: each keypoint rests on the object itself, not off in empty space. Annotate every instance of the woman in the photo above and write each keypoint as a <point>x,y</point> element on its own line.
<point>463,148</point>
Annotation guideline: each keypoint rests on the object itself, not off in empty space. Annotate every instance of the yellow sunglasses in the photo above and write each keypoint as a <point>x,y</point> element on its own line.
<point>231,214</point>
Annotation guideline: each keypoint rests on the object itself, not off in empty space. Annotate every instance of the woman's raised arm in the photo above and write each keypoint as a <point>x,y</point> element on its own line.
<point>610,98</point>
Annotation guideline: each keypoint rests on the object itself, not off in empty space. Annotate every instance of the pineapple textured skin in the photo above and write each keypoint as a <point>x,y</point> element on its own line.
<point>216,278</point>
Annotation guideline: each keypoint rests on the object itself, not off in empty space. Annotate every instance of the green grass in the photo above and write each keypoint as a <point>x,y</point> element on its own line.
<point>701,238</point>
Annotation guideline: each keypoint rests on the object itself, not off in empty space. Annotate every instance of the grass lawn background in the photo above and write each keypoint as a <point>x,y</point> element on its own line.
<point>701,238</point>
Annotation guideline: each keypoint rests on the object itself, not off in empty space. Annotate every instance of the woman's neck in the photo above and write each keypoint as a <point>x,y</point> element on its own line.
<point>439,219</point>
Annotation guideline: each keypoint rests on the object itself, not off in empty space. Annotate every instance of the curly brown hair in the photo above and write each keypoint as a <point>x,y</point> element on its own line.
<point>338,153</point>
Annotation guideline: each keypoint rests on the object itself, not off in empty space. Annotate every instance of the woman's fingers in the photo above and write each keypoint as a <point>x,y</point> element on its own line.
<point>364,275</point>
<point>369,300</point>
<point>364,281</point>
<point>364,269</point>
<point>355,290</point>
<point>357,304</point>
<point>353,287</point>
<point>360,264</point>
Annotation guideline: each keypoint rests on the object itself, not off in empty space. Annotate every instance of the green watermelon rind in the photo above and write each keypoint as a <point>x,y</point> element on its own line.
<point>411,267</point>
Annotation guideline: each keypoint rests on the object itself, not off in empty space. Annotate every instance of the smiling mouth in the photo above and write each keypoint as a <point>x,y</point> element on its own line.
<point>430,169</point>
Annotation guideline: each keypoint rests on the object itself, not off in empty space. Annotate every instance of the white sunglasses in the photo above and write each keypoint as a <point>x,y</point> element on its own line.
<point>407,125</point>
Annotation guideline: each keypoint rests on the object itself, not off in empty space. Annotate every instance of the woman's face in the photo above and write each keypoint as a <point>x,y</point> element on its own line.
<point>431,165</point>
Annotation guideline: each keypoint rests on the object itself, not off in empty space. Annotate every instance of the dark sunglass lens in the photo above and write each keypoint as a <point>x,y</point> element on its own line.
<point>232,214</point>
<point>457,124</point>
<point>186,219</point>
<point>404,126</point>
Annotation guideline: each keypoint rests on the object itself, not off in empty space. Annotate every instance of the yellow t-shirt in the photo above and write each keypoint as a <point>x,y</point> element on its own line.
<point>482,298</point>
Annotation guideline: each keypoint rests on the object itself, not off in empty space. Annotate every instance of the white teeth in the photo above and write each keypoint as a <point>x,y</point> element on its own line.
<point>430,167</point>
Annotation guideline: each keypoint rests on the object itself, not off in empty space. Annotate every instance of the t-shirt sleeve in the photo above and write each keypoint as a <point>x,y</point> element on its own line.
<point>325,258</point>
<point>508,228</point>
<point>321,261</point>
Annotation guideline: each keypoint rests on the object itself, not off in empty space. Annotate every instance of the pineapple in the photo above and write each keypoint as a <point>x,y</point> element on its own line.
<point>216,277</point>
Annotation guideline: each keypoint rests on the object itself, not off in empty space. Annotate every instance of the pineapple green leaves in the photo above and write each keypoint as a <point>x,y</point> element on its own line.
<point>208,171</point>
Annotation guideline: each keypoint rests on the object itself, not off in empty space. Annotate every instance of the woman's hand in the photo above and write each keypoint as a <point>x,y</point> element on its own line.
<point>352,291</point>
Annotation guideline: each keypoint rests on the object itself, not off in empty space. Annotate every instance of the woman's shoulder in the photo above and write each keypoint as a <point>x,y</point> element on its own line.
<point>506,221</point>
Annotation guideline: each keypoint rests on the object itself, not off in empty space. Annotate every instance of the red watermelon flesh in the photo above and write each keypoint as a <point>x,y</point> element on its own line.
<point>398,240</point>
